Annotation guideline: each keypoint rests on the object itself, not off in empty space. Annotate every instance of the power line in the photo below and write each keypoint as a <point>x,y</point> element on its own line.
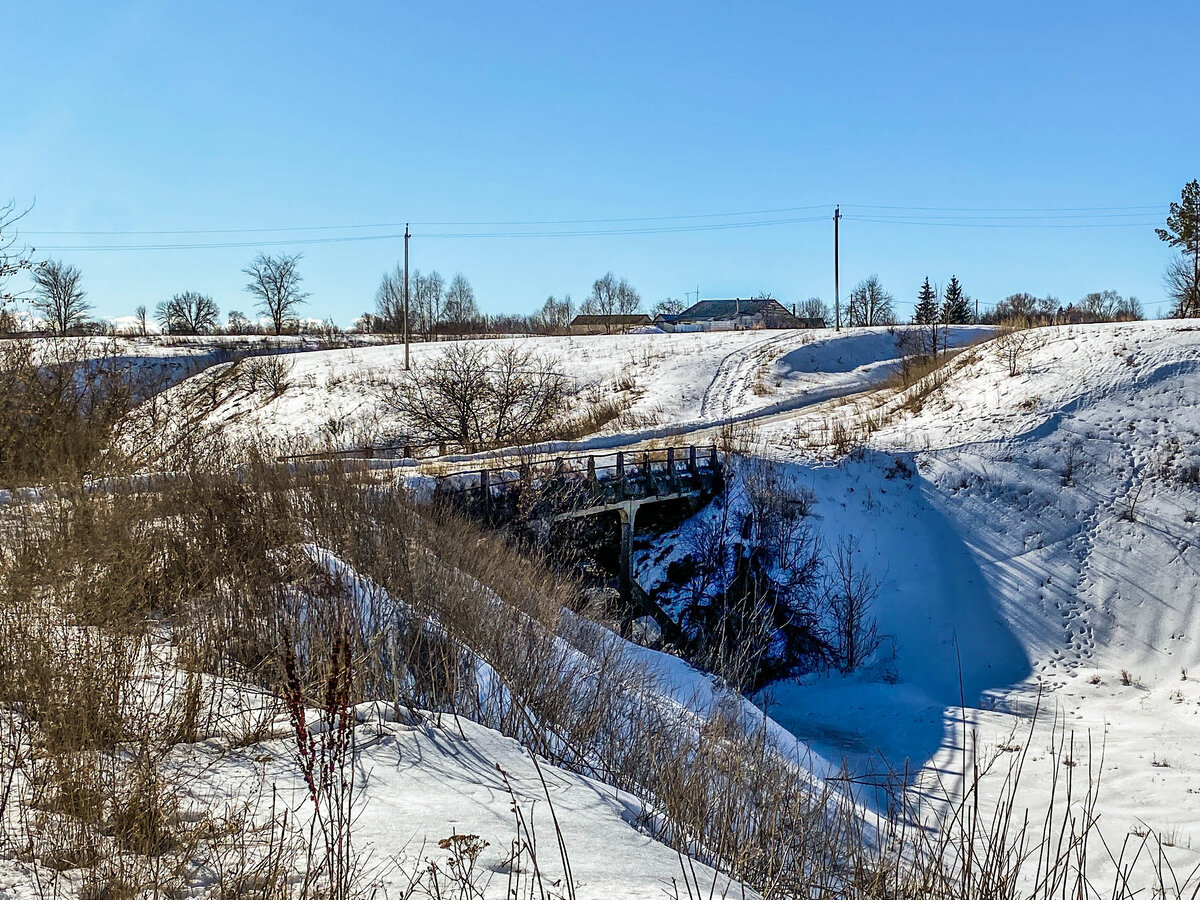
<point>481,224</point>
<point>215,245</point>
<point>1149,207</point>
<point>970,218</point>
<point>1089,211</point>
<point>984,224</point>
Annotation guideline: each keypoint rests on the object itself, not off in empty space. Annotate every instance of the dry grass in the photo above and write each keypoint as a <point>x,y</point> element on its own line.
<point>125,614</point>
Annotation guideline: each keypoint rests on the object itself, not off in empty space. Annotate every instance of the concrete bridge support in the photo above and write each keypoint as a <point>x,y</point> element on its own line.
<point>628,515</point>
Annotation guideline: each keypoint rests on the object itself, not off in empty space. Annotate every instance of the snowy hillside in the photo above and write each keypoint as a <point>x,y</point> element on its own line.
<point>661,381</point>
<point>1029,513</point>
<point>1046,542</point>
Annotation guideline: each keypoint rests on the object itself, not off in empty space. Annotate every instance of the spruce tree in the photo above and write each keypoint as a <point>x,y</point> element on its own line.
<point>1183,231</point>
<point>927,310</point>
<point>955,308</point>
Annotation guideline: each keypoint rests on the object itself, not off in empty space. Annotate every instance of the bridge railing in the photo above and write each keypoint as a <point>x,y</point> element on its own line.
<point>584,481</point>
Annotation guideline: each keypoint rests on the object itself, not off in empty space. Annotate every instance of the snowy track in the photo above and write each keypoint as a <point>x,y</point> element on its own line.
<point>738,370</point>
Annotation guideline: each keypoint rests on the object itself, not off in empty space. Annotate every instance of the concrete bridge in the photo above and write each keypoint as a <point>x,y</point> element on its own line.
<point>569,487</point>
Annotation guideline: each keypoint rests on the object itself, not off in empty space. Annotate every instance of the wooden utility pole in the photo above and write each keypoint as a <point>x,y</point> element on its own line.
<point>406,236</point>
<point>837,288</point>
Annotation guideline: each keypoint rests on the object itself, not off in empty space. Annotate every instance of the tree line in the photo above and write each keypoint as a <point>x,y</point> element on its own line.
<point>60,302</point>
<point>436,307</point>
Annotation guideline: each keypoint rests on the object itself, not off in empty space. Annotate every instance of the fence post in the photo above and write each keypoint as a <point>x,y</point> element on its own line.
<point>620,474</point>
<point>693,469</point>
<point>485,491</point>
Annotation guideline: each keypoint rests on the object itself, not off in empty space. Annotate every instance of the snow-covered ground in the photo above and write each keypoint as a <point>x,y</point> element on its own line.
<point>421,779</point>
<point>663,381</point>
<point>1046,543</point>
<point>1036,550</point>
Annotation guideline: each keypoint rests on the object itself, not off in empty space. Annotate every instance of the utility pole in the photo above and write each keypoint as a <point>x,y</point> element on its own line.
<point>837,290</point>
<point>406,236</point>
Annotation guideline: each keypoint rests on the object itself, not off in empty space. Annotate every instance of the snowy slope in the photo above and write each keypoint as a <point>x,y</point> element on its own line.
<point>1046,543</point>
<point>419,779</point>
<point>665,380</point>
<point>424,778</point>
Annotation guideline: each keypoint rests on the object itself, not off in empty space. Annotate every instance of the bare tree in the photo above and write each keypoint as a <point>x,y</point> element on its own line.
<point>275,284</point>
<point>669,307</point>
<point>427,301</point>
<point>852,594</point>
<point>389,301</point>
<point>557,313</point>
<point>474,398</point>
<point>1022,308</point>
<point>188,313</point>
<point>1183,287</point>
<point>460,306</point>
<point>870,304</point>
<point>1103,305</point>
<point>815,308</point>
<point>629,301</point>
<point>140,315</point>
<point>610,297</point>
<point>602,301</point>
<point>237,323</point>
<point>14,257</point>
<point>58,298</point>
<point>1130,310</point>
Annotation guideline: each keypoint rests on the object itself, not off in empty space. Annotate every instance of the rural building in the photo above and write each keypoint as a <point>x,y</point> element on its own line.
<point>733,315</point>
<point>614,324</point>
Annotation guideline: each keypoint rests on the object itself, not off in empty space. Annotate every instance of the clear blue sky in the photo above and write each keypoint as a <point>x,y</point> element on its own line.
<point>155,116</point>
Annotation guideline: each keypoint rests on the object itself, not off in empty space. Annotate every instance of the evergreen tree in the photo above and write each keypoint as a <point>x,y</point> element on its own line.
<point>1183,231</point>
<point>927,310</point>
<point>956,310</point>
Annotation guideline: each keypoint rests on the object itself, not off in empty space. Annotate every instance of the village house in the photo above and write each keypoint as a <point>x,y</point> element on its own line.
<point>734,315</point>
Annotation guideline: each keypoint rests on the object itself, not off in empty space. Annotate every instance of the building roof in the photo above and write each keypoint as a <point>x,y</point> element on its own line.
<point>717,310</point>
<point>616,319</point>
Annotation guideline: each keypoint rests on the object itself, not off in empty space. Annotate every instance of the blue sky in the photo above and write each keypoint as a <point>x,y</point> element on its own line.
<point>226,116</point>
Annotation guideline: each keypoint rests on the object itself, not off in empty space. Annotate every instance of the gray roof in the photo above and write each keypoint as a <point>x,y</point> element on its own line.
<point>717,310</point>
<point>619,319</point>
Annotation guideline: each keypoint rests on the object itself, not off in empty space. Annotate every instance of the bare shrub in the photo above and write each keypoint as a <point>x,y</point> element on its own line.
<point>272,372</point>
<point>1013,346</point>
<point>477,398</point>
<point>852,593</point>
<point>60,400</point>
